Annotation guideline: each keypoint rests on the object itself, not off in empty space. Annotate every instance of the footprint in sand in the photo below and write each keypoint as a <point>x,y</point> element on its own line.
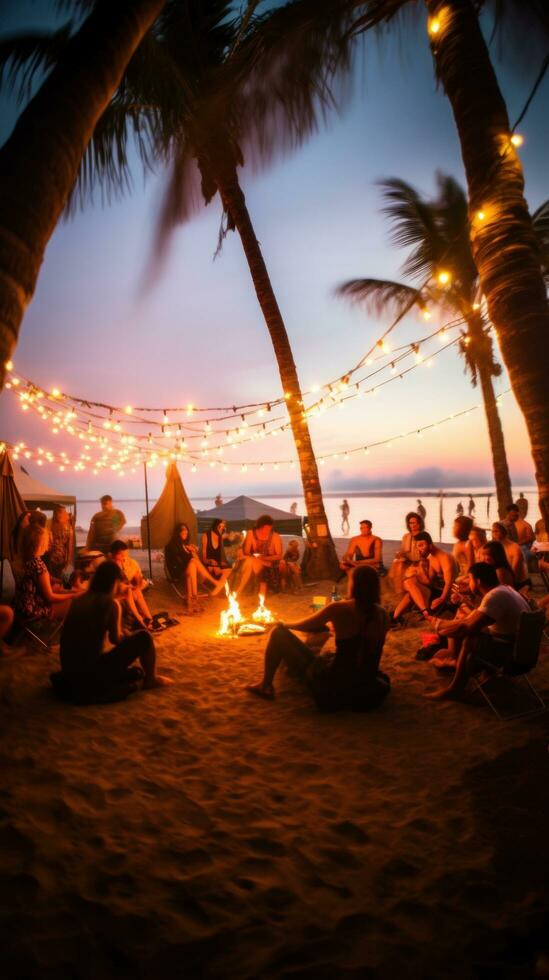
<point>351,831</point>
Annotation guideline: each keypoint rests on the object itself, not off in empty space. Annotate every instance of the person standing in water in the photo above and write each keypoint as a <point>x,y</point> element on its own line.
<point>420,509</point>
<point>345,512</point>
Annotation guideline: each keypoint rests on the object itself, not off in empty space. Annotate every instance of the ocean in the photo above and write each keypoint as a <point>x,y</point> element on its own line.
<point>386,509</point>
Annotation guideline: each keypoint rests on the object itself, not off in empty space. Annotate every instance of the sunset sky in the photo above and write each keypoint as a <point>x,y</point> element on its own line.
<point>198,335</point>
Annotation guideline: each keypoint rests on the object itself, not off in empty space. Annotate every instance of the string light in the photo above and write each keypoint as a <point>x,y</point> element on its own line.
<point>517,140</point>
<point>62,460</point>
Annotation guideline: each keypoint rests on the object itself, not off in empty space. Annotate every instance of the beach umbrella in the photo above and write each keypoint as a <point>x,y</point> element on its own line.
<point>11,505</point>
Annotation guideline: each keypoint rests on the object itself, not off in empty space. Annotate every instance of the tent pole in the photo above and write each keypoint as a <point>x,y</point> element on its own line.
<point>148,522</point>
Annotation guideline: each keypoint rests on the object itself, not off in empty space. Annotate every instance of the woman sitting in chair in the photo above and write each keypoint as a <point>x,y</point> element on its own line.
<point>35,597</point>
<point>184,566</point>
<point>212,551</point>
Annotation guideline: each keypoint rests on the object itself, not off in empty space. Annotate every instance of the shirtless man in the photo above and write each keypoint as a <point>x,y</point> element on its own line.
<point>514,553</point>
<point>429,588</point>
<point>524,530</point>
<point>364,549</point>
<point>262,551</point>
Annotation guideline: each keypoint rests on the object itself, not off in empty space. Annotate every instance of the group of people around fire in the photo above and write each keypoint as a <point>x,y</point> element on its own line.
<point>471,598</point>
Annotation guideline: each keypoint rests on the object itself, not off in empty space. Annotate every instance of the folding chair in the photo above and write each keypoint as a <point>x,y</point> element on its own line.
<point>523,659</point>
<point>44,632</point>
<point>171,581</point>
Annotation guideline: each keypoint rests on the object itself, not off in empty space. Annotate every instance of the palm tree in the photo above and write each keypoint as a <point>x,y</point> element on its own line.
<point>305,44</point>
<point>174,97</point>
<point>40,160</point>
<point>438,231</point>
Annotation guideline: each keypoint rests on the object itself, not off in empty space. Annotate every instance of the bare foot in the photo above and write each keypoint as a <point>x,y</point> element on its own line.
<point>159,680</point>
<point>220,585</point>
<point>444,694</point>
<point>444,663</point>
<point>261,691</point>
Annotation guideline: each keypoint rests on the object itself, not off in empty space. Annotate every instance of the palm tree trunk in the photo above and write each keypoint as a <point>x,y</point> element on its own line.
<point>504,246</point>
<point>323,563</point>
<point>481,351</point>
<point>40,160</point>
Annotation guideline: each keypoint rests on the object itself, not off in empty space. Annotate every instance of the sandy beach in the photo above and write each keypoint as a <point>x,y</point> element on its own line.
<point>196,832</point>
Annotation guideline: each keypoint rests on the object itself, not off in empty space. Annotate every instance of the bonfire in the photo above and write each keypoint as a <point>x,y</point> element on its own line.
<point>262,615</point>
<point>232,623</point>
<point>231,618</point>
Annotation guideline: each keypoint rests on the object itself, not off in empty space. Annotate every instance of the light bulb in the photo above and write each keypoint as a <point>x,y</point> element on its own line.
<point>517,139</point>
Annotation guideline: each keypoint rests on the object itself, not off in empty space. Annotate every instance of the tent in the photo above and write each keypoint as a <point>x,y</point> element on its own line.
<point>172,507</point>
<point>242,513</point>
<point>37,494</point>
<point>11,506</point>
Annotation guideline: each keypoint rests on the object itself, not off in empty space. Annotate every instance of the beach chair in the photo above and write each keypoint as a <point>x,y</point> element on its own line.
<point>42,632</point>
<point>523,659</point>
<point>171,581</point>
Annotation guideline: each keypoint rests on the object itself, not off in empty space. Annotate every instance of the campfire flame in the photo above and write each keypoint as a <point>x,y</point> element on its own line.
<point>230,618</point>
<point>262,614</point>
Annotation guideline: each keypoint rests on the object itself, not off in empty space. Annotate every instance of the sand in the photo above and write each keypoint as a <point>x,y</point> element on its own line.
<point>196,832</point>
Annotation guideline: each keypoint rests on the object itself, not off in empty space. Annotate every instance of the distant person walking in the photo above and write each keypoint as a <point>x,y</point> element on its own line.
<point>218,500</point>
<point>459,510</point>
<point>293,508</point>
<point>522,505</point>
<point>471,506</point>
<point>420,509</point>
<point>345,512</point>
<point>105,526</point>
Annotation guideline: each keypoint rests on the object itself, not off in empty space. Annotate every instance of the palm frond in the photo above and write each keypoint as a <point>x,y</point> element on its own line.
<point>289,73</point>
<point>381,296</point>
<point>182,198</point>
<point>414,223</point>
<point>26,57</point>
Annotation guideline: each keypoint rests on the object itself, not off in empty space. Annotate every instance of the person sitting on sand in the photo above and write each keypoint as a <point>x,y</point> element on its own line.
<point>488,632</point>
<point>524,531</point>
<point>541,534</point>
<point>514,554</point>
<point>463,549</point>
<point>350,679</point>
<point>105,525</point>
<point>35,596</point>
<point>262,552</point>
<point>94,618</point>
<point>130,592</point>
<point>290,572</point>
<point>60,555</point>
<point>212,551</point>
<point>364,549</point>
<point>407,557</point>
<point>430,587</point>
<point>185,567</point>
<point>494,554</point>
<point>477,537</point>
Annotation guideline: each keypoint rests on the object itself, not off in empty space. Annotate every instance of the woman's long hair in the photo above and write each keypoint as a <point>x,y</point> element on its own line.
<point>418,518</point>
<point>175,540</point>
<point>498,555</point>
<point>33,535</point>
<point>215,525</point>
<point>365,589</point>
